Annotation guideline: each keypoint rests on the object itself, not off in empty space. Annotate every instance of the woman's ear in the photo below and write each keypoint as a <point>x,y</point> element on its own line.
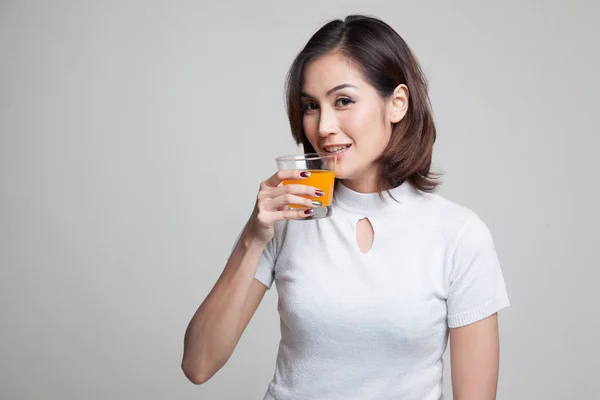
<point>398,103</point>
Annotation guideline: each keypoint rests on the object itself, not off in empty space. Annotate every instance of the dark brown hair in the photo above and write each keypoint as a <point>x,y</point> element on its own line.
<point>386,61</point>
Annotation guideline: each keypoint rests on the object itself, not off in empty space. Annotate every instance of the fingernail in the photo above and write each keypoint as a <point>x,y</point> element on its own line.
<point>317,203</point>
<point>308,211</point>
<point>305,174</point>
<point>319,193</point>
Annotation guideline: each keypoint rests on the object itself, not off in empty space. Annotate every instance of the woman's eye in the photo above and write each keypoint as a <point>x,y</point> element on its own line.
<point>344,101</point>
<point>309,106</point>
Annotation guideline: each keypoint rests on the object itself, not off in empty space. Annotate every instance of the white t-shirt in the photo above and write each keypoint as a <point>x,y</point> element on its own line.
<point>375,325</point>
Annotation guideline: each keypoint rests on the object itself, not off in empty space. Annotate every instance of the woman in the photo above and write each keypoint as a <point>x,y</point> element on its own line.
<point>368,296</point>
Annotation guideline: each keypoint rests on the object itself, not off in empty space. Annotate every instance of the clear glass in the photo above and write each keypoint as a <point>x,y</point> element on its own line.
<point>322,176</point>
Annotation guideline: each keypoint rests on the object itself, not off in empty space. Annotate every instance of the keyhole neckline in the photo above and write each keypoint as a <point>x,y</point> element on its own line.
<point>365,236</point>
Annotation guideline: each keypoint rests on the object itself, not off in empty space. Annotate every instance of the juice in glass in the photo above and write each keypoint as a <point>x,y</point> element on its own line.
<point>320,179</point>
<point>322,176</point>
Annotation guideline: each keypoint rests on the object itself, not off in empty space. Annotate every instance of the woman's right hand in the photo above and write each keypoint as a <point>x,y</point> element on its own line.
<point>272,201</point>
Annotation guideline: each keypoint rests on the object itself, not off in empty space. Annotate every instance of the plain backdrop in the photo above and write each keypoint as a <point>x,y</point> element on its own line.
<point>134,135</point>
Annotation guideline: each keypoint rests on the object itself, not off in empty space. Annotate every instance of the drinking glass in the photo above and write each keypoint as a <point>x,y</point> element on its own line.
<point>322,176</point>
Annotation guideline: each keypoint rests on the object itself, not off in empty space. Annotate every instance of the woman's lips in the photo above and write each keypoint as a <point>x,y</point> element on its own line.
<point>340,153</point>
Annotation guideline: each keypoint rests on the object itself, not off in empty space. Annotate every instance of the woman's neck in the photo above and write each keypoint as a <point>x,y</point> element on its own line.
<point>367,183</point>
<point>360,185</point>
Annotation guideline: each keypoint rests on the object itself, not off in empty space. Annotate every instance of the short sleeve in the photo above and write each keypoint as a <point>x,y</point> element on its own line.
<point>476,286</point>
<point>265,273</point>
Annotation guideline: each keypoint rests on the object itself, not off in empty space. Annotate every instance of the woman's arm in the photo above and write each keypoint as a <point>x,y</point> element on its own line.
<point>474,357</point>
<point>219,322</point>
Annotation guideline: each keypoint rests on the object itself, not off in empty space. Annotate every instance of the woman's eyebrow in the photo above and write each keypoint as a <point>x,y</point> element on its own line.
<point>332,90</point>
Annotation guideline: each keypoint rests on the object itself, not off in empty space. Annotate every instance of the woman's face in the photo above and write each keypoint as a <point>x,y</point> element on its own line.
<point>344,114</point>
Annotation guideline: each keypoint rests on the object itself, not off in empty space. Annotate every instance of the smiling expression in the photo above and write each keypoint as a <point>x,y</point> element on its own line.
<point>343,113</point>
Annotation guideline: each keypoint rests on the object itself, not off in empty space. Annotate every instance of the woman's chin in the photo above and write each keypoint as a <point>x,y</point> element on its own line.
<point>341,175</point>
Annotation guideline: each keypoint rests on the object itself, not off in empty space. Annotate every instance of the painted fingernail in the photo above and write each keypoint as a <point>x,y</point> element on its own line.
<point>305,174</point>
<point>308,211</point>
<point>319,193</point>
<point>317,203</point>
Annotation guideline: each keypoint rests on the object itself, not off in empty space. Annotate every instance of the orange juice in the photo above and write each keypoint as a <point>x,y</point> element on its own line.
<point>320,179</point>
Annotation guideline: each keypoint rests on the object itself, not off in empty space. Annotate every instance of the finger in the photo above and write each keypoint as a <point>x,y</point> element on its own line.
<point>293,214</point>
<point>290,199</point>
<point>297,189</point>
<point>283,174</point>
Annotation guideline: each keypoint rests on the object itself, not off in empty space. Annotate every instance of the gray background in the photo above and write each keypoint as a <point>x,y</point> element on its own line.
<point>134,134</point>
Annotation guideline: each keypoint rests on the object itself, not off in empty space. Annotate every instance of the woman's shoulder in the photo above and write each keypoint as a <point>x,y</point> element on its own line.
<point>436,202</point>
<point>446,213</point>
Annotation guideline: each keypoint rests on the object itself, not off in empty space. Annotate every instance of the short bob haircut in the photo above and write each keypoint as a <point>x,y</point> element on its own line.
<point>386,61</point>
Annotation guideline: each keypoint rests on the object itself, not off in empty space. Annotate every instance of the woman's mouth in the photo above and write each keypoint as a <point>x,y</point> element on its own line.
<point>338,149</point>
